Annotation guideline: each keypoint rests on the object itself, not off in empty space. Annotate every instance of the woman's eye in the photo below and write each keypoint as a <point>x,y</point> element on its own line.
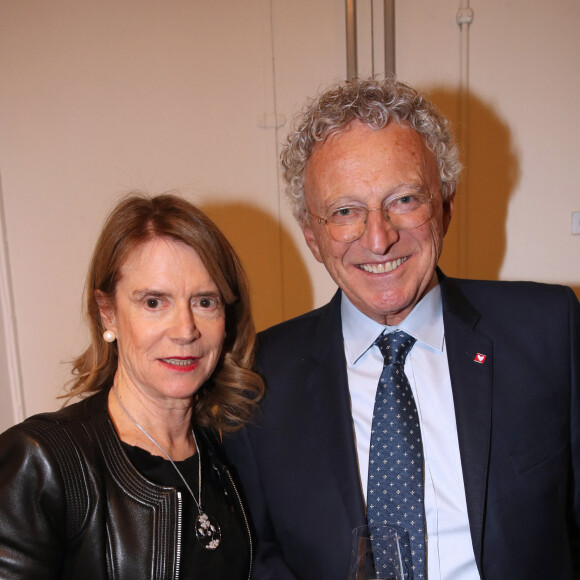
<point>153,303</point>
<point>207,302</point>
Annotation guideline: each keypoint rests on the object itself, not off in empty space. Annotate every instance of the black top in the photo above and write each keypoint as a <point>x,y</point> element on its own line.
<point>229,561</point>
<point>72,505</point>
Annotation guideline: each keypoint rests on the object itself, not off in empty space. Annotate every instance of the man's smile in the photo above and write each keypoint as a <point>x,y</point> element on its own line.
<point>383,266</point>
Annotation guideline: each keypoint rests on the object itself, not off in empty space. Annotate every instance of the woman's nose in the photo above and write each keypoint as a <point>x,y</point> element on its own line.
<point>184,328</point>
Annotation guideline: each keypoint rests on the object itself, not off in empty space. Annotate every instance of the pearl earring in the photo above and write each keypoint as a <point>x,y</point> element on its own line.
<point>109,336</point>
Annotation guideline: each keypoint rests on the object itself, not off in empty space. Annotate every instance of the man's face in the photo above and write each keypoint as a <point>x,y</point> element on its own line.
<point>385,272</point>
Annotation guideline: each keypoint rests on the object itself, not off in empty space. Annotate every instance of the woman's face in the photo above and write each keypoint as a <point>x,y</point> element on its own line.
<point>169,319</point>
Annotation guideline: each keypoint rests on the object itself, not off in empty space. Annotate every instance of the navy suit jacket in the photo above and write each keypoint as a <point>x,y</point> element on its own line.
<point>518,422</point>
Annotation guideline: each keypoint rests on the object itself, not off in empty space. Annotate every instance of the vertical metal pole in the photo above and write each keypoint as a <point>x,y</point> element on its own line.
<point>464,19</point>
<point>351,55</point>
<point>389,37</point>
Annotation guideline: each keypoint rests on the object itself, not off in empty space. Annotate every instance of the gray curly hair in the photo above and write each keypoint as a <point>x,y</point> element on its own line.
<point>376,103</point>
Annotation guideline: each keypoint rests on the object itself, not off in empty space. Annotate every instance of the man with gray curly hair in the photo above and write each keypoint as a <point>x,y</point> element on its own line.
<point>433,405</point>
<point>376,104</point>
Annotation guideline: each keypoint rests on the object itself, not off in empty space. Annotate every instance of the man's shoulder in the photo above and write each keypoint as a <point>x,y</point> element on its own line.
<point>514,303</point>
<point>297,325</point>
<point>305,325</point>
<point>493,290</point>
<point>298,342</point>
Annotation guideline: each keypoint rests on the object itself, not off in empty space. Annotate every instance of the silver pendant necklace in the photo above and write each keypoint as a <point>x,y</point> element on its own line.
<point>207,530</point>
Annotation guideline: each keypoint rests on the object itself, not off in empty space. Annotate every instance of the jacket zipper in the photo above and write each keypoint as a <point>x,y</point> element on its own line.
<point>245,520</point>
<point>178,547</point>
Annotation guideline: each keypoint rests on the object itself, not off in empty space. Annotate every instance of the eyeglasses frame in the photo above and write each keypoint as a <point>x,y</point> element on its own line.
<point>325,221</point>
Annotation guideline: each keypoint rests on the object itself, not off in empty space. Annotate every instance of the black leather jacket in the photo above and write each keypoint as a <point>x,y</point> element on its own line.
<point>72,506</point>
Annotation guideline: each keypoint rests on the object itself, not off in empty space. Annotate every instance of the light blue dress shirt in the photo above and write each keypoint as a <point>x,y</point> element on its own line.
<point>449,548</point>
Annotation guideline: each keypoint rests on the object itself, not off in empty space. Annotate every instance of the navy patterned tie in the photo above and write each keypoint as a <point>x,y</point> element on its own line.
<point>395,485</point>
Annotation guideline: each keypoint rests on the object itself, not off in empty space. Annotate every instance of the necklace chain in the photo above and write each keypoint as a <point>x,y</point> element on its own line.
<point>197,502</point>
<point>207,529</point>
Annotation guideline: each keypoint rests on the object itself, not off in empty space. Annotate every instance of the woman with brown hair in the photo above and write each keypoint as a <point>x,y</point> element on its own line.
<point>131,482</point>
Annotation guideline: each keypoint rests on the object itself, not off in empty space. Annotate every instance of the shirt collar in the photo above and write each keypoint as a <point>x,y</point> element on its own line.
<point>425,323</point>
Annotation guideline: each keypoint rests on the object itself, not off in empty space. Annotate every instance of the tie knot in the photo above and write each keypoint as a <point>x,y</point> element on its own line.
<point>395,347</point>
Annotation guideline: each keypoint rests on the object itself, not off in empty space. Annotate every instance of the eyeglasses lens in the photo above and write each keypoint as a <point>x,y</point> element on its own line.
<point>350,227</point>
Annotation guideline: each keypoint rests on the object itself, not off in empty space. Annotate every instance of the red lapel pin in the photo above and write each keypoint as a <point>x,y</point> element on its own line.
<point>480,358</point>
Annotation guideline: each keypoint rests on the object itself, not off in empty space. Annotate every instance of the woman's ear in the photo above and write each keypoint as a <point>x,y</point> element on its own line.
<point>106,310</point>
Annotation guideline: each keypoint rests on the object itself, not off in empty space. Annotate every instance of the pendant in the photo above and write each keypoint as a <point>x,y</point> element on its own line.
<point>207,531</point>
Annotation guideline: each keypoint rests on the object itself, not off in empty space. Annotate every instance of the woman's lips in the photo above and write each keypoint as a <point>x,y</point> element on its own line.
<point>180,364</point>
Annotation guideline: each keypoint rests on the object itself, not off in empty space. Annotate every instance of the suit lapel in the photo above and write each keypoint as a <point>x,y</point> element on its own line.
<point>471,382</point>
<point>328,381</point>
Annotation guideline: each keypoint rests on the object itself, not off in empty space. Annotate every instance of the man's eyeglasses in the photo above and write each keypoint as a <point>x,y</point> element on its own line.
<point>404,212</point>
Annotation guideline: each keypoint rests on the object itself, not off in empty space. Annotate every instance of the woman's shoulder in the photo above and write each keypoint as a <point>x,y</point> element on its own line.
<point>89,407</point>
<point>52,454</point>
<point>57,432</point>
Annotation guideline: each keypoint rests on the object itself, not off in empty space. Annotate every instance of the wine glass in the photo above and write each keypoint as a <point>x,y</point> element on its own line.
<point>376,553</point>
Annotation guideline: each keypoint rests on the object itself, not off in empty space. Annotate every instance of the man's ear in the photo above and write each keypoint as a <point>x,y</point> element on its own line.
<point>311,241</point>
<point>447,212</point>
<point>106,310</point>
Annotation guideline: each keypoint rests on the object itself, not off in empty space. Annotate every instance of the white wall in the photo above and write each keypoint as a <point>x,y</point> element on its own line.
<point>525,67</point>
<point>524,120</point>
<point>99,98</point>
<point>96,99</point>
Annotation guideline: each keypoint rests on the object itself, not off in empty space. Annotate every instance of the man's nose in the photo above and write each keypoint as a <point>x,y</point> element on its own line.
<point>379,235</point>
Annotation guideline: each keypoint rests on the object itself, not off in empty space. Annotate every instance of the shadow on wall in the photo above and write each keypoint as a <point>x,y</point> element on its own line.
<point>280,285</point>
<point>491,173</point>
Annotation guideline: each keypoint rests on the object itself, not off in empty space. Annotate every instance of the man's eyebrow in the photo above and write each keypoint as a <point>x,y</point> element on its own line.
<point>347,199</point>
<point>407,186</point>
